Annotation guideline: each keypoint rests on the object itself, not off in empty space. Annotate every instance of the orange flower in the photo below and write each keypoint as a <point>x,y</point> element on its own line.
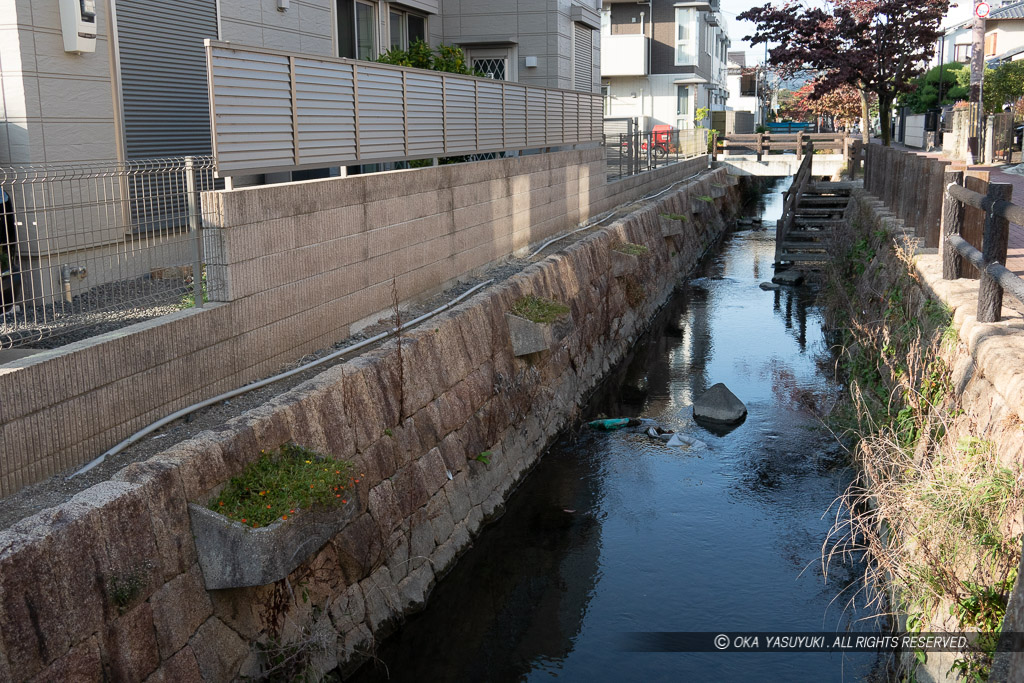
<point>337,495</point>
<point>268,507</point>
<point>343,500</point>
<point>244,519</point>
<point>357,481</point>
<point>222,503</point>
<point>284,516</point>
<point>292,511</point>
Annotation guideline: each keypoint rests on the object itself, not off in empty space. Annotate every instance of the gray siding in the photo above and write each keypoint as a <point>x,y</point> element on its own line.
<point>163,76</point>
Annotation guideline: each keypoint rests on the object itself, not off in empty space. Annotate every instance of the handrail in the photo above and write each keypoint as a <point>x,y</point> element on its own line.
<point>792,198</point>
<point>990,260</point>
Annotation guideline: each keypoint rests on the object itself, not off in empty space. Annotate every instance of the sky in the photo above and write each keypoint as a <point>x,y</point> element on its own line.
<point>755,55</point>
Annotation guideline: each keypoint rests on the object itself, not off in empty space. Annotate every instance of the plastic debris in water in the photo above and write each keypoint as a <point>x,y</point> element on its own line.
<point>611,424</point>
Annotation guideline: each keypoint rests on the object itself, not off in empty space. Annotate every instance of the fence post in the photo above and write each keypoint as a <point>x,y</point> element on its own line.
<point>194,225</point>
<point>799,145</point>
<point>714,145</point>
<point>997,229</point>
<point>760,145</point>
<point>952,224</point>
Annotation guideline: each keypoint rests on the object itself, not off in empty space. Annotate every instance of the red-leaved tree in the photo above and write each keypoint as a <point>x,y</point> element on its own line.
<point>877,46</point>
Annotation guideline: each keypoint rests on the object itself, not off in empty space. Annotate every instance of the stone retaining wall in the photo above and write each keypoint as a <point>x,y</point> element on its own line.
<point>291,269</point>
<point>988,381</point>
<point>108,586</point>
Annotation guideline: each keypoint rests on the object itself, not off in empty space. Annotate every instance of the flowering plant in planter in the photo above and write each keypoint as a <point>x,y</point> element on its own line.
<point>282,482</point>
<point>267,520</point>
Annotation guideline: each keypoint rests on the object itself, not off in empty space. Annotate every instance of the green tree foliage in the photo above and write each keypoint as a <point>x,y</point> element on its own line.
<point>448,58</point>
<point>1004,86</point>
<point>955,80</point>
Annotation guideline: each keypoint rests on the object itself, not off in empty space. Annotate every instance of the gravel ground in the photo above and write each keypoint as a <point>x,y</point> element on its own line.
<point>59,489</point>
<point>102,309</point>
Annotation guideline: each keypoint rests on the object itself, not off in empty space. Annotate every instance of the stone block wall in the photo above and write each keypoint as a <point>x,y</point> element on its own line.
<point>987,364</point>
<point>291,267</point>
<point>413,418</point>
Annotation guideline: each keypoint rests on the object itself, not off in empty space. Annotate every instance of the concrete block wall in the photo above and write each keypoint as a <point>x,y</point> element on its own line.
<point>413,421</point>
<point>292,267</point>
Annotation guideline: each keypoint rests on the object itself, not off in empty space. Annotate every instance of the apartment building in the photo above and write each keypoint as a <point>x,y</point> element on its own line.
<point>661,61</point>
<point>91,80</point>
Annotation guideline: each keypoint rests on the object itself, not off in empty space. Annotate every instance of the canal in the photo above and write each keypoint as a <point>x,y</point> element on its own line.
<point>615,532</point>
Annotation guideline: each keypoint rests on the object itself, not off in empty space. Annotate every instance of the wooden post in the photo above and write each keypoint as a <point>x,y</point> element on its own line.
<point>714,145</point>
<point>799,145</point>
<point>997,231</point>
<point>935,190</point>
<point>869,160</point>
<point>952,224</point>
<point>760,145</point>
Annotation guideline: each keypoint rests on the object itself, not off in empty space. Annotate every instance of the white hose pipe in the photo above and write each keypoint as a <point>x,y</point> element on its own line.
<point>145,431</point>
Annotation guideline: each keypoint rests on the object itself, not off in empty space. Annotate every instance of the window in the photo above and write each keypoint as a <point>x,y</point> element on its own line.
<point>748,85</point>
<point>962,53</point>
<point>682,100</point>
<point>366,38</point>
<point>357,29</point>
<point>685,35</point>
<point>406,29</point>
<point>990,44</point>
<point>607,97</point>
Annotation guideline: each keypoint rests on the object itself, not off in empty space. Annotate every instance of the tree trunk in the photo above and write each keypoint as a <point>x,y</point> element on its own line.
<point>865,117</point>
<point>885,117</point>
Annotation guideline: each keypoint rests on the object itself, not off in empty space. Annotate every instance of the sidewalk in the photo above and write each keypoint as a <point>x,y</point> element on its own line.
<point>1015,249</point>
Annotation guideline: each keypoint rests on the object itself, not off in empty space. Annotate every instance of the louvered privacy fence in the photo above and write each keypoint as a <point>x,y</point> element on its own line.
<point>273,111</point>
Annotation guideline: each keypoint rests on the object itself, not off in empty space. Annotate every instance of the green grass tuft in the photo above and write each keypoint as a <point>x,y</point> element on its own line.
<point>539,310</point>
<point>633,249</point>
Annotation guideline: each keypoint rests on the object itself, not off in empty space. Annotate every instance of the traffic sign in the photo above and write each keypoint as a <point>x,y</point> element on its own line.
<point>982,9</point>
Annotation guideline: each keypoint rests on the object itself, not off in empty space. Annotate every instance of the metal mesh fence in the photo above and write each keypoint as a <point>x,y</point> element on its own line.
<point>638,151</point>
<point>88,248</point>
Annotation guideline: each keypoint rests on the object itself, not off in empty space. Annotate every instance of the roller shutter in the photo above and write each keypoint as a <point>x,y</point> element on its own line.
<point>163,75</point>
<point>583,58</point>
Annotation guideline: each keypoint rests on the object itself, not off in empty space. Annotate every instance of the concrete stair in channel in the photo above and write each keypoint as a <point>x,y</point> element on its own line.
<point>818,211</point>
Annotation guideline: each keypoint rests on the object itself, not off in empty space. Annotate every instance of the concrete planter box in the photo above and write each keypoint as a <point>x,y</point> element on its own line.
<point>233,555</point>
<point>530,337</point>
<point>671,228</point>
<point>625,264</point>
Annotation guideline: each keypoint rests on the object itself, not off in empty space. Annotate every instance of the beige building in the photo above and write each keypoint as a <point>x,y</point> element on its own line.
<point>662,61</point>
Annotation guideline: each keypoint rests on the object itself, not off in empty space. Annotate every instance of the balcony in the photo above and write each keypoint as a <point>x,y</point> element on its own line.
<point>625,55</point>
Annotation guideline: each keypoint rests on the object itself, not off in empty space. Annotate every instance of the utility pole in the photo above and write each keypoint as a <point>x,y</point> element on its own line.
<point>976,121</point>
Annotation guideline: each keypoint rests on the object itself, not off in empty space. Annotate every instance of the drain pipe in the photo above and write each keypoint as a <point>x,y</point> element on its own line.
<point>270,380</point>
<point>66,273</point>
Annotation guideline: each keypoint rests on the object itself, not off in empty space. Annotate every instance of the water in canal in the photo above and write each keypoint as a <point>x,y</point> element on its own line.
<point>615,533</point>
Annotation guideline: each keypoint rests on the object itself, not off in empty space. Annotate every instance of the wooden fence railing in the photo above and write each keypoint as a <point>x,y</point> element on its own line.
<point>910,185</point>
<point>990,260</point>
<point>957,210</point>
<point>760,143</point>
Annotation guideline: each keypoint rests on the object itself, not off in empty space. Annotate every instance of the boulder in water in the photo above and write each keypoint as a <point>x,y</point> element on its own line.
<point>718,404</point>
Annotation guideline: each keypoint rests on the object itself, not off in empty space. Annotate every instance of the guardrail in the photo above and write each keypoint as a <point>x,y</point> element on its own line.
<point>990,260</point>
<point>276,111</point>
<point>791,198</point>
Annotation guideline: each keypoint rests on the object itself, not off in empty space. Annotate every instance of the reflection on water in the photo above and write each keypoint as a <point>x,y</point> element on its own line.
<point>615,532</point>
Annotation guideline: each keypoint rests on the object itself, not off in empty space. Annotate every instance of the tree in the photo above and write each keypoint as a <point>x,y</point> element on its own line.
<point>1004,86</point>
<point>953,80</point>
<point>877,46</point>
